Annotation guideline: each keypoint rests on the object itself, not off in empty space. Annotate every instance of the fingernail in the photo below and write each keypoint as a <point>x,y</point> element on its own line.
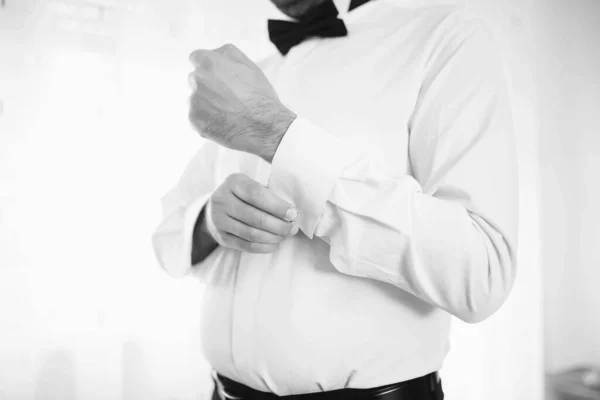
<point>291,213</point>
<point>294,230</point>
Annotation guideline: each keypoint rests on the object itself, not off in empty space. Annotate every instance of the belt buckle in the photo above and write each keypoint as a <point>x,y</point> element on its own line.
<point>221,390</point>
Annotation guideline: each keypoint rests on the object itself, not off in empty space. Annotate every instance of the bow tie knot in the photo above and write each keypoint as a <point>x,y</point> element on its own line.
<point>321,22</point>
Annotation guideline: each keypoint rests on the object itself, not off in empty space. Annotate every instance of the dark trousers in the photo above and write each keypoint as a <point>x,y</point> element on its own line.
<point>436,394</point>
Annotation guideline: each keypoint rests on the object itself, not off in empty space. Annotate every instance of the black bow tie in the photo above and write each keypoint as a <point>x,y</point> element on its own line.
<point>322,21</point>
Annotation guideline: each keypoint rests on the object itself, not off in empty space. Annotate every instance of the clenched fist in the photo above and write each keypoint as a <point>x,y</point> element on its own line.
<point>234,104</point>
<point>243,214</point>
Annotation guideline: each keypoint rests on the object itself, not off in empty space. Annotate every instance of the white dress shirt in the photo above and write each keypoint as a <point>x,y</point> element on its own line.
<point>402,165</point>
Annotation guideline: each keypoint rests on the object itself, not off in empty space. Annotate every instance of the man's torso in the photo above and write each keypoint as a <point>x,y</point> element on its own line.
<point>289,322</point>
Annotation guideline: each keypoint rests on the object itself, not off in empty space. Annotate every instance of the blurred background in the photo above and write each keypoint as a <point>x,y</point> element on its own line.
<point>93,131</point>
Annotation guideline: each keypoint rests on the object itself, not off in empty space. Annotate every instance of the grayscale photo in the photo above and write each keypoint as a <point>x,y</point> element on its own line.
<point>299,200</point>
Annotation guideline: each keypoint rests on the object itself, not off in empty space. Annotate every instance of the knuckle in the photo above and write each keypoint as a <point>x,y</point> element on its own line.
<point>196,78</point>
<point>253,192</point>
<point>235,230</point>
<point>237,177</point>
<point>240,183</point>
<point>217,221</point>
<point>197,56</point>
<point>205,63</point>
<point>233,207</point>
<point>227,47</point>
<point>194,56</point>
<point>218,203</point>
<point>261,221</point>
<point>234,52</point>
<point>231,179</point>
<point>245,233</point>
<point>244,187</point>
<point>192,80</point>
<point>256,219</point>
<point>232,183</point>
<point>245,246</point>
<point>253,235</point>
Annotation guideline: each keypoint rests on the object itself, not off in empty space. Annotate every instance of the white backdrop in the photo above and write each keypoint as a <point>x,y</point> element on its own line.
<point>501,358</point>
<point>93,131</point>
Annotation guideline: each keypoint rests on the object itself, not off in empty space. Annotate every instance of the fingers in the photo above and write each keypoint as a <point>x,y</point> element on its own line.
<point>204,64</point>
<point>248,222</point>
<point>201,105</point>
<point>206,59</point>
<point>196,78</point>
<point>208,63</point>
<point>233,52</point>
<point>247,232</point>
<point>260,197</point>
<point>203,59</point>
<point>197,110</point>
<point>260,219</point>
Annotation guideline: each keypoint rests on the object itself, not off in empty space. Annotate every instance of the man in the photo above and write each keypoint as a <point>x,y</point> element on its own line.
<point>352,196</point>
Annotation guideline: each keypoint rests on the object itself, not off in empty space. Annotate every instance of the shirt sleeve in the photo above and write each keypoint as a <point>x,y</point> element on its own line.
<point>181,206</point>
<point>447,233</point>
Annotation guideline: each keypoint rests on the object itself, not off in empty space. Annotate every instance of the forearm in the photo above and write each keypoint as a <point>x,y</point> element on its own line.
<point>452,246</point>
<point>203,243</point>
<point>432,248</point>
<point>280,121</point>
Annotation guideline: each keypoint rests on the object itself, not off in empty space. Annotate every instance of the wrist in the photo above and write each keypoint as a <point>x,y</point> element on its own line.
<point>281,122</point>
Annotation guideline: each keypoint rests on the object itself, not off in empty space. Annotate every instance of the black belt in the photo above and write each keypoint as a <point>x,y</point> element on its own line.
<point>428,387</point>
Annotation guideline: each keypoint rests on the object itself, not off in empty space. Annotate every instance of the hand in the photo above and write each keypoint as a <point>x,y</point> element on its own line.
<point>234,104</point>
<point>244,215</point>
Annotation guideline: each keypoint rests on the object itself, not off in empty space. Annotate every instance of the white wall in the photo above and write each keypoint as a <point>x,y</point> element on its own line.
<point>88,144</point>
<point>570,161</point>
<point>502,357</point>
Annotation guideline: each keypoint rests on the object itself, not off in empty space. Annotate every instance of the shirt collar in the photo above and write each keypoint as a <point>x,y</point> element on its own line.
<point>341,5</point>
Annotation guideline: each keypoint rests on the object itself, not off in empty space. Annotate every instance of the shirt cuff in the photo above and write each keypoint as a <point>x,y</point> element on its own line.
<point>189,223</point>
<point>305,168</point>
